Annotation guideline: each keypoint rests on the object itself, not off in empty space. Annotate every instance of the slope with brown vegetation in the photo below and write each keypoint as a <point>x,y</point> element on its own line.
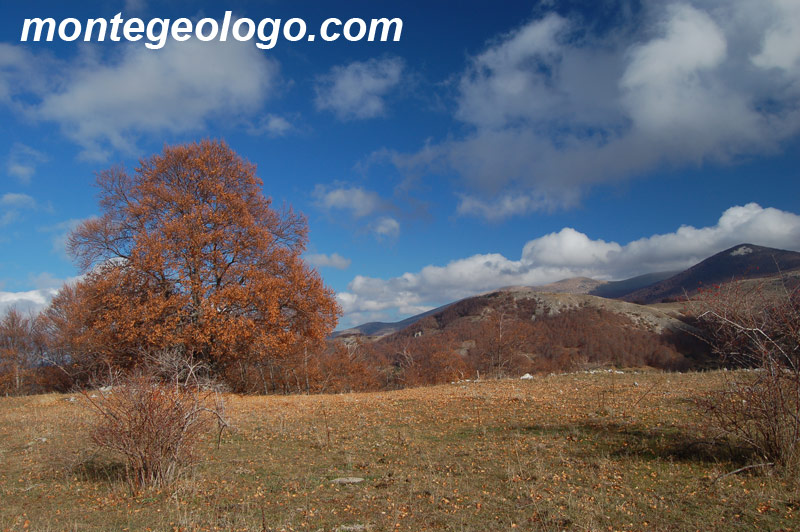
<point>517,331</point>
<point>580,451</point>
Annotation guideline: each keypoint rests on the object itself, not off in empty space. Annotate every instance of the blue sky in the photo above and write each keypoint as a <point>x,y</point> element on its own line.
<point>498,143</point>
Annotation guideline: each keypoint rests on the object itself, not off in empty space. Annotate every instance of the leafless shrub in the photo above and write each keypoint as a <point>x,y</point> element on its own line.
<point>174,365</point>
<point>154,427</point>
<point>755,327</point>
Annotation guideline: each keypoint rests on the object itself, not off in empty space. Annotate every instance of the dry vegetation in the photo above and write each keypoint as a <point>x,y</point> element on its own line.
<point>601,451</point>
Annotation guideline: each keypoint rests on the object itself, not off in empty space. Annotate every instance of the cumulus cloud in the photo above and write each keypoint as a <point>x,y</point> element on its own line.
<point>321,260</point>
<point>358,90</point>
<point>105,103</point>
<point>568,247</point>
<point>22,162</point>
<point>552,108</point>
<point>357,200</point>
<point>568,253</point>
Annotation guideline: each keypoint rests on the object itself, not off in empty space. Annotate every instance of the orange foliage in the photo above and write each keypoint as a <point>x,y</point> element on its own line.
<point>189,253</point>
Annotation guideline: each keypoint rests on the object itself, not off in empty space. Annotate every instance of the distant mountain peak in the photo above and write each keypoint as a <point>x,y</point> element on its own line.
<point>743,261</point>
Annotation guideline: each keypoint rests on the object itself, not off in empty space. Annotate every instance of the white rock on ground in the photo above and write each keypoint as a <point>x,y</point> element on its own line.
<point>347,480</point>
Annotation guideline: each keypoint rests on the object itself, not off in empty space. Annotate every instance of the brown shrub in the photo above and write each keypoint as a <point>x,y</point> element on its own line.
<point>154,427</point>
<point>756,326</point>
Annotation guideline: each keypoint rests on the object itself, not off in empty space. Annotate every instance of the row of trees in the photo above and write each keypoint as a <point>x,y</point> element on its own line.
<point>54,351</point>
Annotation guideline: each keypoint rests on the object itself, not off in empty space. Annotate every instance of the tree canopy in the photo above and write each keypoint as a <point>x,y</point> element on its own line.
<point>189,254</point>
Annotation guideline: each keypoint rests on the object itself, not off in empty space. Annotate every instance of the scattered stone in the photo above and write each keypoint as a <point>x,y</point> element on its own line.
<point>69,399</point>
<point>105,389</point>
<point>527,376</point>
<point>347,480</point>
<point>351,528</point>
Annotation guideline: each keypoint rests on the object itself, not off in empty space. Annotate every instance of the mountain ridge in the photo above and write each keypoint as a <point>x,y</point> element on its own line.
<point>735,262</point>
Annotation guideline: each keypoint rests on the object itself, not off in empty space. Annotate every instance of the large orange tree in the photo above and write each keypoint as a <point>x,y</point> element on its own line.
<point>189,255</point>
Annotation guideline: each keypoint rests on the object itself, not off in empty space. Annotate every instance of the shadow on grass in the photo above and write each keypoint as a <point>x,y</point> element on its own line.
<point>619,440</point>
<point>98,469</point>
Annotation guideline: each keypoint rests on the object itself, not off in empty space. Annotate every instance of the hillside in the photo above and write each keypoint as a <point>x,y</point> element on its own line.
<point>530,303</point>
<point>380,328</point>
<point>520,330</point>
<point>615,289</point>
<point>573,286</point>
<point>745,261</point>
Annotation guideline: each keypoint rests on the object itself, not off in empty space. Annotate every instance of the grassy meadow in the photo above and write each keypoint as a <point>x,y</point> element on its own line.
<point>602,451</point>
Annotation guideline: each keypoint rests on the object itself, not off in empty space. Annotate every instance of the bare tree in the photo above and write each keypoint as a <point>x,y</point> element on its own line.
<point>16,350</point>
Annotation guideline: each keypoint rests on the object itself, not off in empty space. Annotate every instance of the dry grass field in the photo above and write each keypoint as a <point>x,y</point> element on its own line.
<point>600,451</point>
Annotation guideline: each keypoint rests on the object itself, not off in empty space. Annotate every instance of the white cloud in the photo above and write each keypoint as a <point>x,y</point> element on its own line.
<point>568,247</point>
<point>358,90</point>
<point>22,71</point>
<point>569,253</point>
<point>105,103</point>
<point>12,205</point>
<point>505,205</point>
<point>321,260</point>
<point>781,42</point>
<point>664,84</point>
<point>363,205</point>
<point>14,200</point>
<point>46,287</point>
<point>22,161</point>
<point>272,126</point>
<point>32,300</point>
<point>386,226</point>
<point>358,201</point>
<point>503,83</point>
<point>552,108</point>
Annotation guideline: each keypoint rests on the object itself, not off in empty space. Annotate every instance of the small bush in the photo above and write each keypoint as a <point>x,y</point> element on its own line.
<point>755,327</point>
<point>154,427</point>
